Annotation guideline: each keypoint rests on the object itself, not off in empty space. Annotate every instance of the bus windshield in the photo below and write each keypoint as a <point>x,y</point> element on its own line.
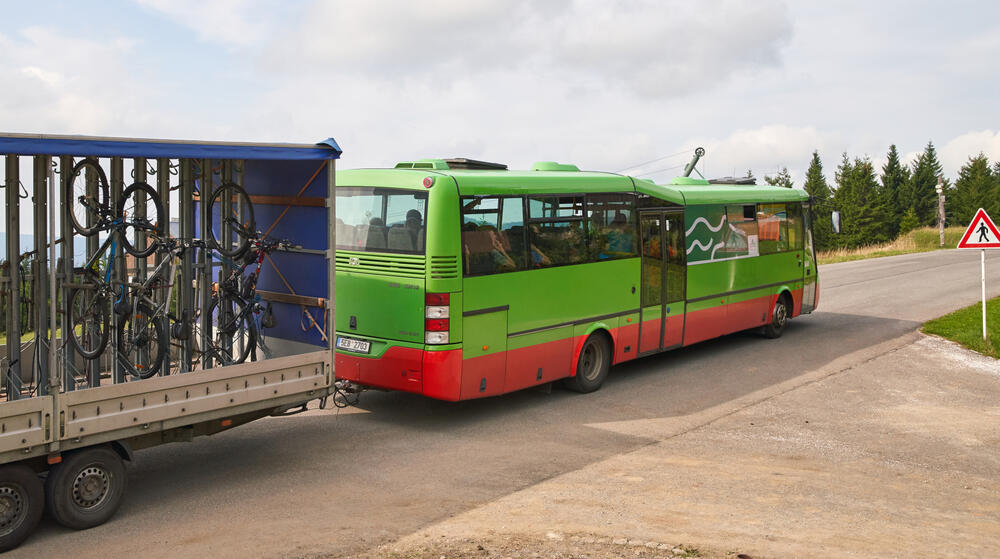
<point>381,220</point>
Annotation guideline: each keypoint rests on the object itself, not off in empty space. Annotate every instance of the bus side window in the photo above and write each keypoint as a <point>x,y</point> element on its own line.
<point>795,223</point>
<point>512,229</point>
<point>610,229</point>
<point>742,225</point>
<point>773,222</point>
<point>556,233</point>
<point>484,249</point>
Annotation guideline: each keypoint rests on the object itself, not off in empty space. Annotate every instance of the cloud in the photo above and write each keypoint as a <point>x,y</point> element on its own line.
<point>57,84</point>
<point>655,49</point>
<point>238,23</point>
<point>956,152</point>
<point>671,48</point>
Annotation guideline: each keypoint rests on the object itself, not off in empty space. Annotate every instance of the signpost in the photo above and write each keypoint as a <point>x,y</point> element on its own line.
<point>981,234</point>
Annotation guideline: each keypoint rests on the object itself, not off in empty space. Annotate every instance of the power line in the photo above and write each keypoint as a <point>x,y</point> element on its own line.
<point>661,170</point>
<point>690,150</point>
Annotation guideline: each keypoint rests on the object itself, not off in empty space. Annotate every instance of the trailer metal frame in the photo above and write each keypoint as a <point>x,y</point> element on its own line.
<point>64,404</point>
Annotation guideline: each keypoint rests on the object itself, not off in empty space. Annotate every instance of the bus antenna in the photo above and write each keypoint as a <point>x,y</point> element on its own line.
<point>698,153</point>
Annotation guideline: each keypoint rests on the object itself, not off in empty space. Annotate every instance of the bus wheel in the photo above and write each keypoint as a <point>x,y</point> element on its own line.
<point>86,488</point>
<point>779,317</point>
<point>592,367</point>
<point>21,501</point>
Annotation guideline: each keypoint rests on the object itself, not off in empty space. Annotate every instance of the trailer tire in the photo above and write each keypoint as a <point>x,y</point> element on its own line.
<point>21,502</point>
<point>86,488</point>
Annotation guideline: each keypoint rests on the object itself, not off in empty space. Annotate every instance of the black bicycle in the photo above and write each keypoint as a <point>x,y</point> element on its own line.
<point>236,310</point>
<point>232,221</point>
<point>135,222</point>
<point>142,329</point>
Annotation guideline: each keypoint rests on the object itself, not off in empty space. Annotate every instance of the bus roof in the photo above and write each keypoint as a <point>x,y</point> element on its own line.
<point>682,190</point>
<point>698,192</point>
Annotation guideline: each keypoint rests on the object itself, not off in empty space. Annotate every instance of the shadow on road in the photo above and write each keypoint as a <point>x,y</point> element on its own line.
<point>417,460</point>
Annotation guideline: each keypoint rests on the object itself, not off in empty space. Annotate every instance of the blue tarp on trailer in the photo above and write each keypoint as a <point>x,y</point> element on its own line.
<point>36,144</point>
<point>279,178</point>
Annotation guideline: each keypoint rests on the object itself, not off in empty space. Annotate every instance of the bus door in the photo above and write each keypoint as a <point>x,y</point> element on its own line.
<point>809,274</point>
<point>661,320</point>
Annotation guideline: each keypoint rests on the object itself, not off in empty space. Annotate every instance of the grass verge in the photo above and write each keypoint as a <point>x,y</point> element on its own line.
<point>965,326</point>
<point>918,240</point>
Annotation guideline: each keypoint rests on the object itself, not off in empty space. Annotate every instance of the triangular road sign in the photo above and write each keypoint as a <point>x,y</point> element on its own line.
<point>982,233</point>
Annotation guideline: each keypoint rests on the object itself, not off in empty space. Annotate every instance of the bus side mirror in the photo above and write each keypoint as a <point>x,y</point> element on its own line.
<point>835,216</point>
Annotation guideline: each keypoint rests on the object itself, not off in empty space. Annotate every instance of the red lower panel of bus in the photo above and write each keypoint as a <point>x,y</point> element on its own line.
<point>398,369</point>
<point>675,331</point>
<point>538,364</point>
<point>725,319</point>
<point>796,303</point>
<point>626,342</point>
<point>446,376</point>
<point>442,374</point>
<point>649,336</point>
<point>484,375</point>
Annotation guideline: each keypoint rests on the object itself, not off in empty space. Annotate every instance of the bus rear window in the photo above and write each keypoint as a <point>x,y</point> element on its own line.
<point>381,220</point>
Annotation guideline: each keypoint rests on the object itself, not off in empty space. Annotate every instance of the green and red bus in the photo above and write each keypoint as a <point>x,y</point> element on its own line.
<point>460,279</point>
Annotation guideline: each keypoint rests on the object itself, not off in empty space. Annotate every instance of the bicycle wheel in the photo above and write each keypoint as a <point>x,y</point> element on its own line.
<point>234,334</point>
<point>142,343</point>
<point>90,316</point>
<point>86,201</point>
<point>232,223</point>
<point>141,209</point>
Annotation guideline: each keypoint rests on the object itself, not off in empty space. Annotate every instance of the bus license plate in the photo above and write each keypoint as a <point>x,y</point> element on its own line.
<point>350,344</point>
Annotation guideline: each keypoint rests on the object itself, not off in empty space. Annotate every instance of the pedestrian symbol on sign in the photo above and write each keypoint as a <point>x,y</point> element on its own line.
<point>982,233</point>
<point>984,236</point>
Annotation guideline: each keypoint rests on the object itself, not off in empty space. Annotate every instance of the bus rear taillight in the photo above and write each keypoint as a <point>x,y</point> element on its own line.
<point>437,299</point>
<point>436,318</point>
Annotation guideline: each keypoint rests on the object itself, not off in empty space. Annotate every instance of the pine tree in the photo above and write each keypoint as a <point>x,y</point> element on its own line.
<point>894,179</point>
<point>856,198</point>
<point>975,188</point>
<point>783,178</point>
<point>920,192</point>
<point>909,221</point>
<point>819,191</point>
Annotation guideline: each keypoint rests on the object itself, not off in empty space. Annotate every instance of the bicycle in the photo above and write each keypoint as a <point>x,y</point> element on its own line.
<point>137,212</point>
<point>237,309</point>
<point>142,333</point>
<point>143,338</point>
<point>136,216</point>
<point>232,224</point>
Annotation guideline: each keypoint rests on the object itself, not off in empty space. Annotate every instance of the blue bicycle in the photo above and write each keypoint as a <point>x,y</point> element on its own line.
<point>133,224</point>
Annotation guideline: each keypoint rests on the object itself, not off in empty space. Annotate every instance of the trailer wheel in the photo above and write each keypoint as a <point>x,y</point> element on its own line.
<point>21,501</point>
<point>86,488</point>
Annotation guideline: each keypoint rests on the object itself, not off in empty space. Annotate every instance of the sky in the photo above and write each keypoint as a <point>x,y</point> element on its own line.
<point>604,85</point>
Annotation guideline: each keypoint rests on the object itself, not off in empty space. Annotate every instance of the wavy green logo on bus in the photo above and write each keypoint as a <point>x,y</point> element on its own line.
<point>711,237</point>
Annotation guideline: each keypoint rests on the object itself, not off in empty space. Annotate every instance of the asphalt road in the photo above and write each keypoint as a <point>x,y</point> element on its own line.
<point>329,483</point>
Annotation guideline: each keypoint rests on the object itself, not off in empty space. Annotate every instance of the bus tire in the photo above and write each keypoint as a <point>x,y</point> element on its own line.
<point>21,502</point>
<point>779,317</point>
<point>592,365</point>
<point>86,488</point>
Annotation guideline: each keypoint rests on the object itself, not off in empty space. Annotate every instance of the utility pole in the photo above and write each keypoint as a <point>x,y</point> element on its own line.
<point>940,193</point>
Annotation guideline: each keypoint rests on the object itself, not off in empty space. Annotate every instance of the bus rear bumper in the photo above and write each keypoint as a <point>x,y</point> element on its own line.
<point>436,374</point>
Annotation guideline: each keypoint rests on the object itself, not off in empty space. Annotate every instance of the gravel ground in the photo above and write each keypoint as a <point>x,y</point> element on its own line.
<point>896,455</point>
<point>552,546</point>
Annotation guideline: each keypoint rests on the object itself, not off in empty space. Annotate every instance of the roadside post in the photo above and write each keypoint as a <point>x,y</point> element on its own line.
<point>940,194</point>
<point>981,234</point>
